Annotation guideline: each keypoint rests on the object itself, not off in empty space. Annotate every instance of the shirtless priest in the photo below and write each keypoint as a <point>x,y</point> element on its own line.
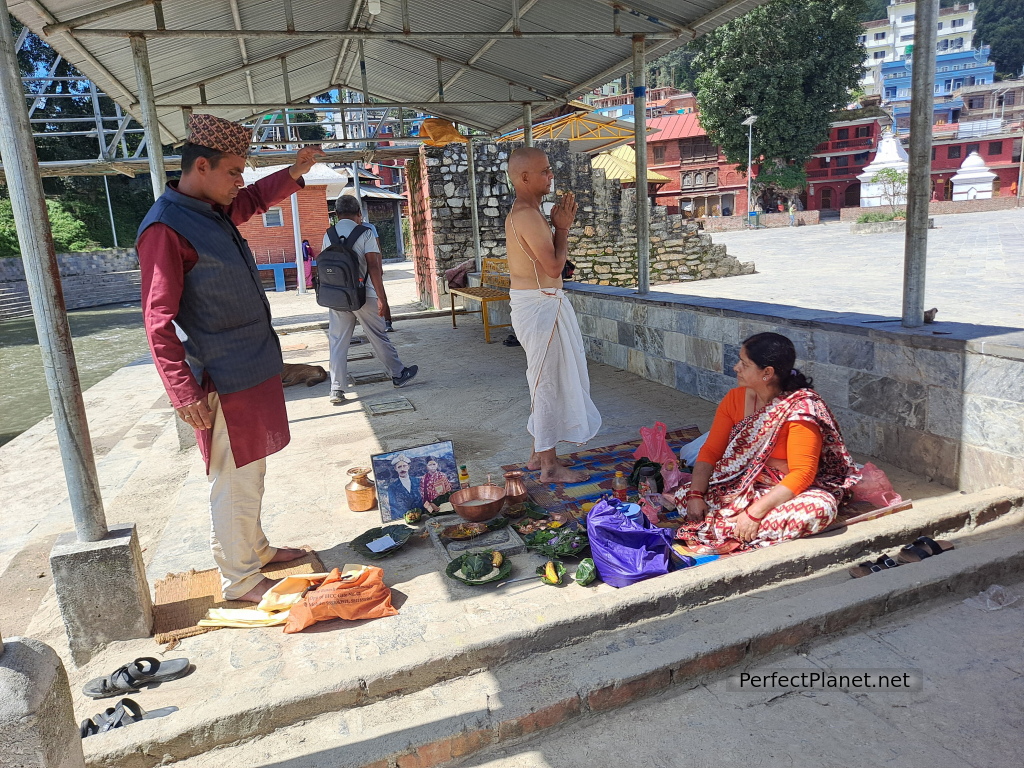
<point>544,320</point>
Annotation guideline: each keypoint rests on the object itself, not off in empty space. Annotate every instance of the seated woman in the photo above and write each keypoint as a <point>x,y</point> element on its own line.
<point>774,466</point>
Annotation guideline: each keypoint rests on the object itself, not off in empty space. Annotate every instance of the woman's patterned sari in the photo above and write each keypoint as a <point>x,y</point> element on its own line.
<point>742,476</point>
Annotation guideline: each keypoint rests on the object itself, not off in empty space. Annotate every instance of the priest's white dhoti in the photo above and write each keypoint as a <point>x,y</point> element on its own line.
<point>556,368</point>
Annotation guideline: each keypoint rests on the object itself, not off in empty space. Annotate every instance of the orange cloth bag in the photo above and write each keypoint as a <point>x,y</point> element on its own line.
<point>363,596</point>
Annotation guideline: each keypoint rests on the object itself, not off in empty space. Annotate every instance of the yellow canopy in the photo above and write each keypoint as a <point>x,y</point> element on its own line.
<point>620,163</point>
<point>586,132</point>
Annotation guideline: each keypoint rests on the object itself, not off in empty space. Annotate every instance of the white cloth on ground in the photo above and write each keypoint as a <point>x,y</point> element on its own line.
<point>239,545</point>
<point>556,368</point>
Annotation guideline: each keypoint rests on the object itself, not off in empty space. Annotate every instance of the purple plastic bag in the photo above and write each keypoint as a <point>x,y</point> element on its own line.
<point>626,551</point>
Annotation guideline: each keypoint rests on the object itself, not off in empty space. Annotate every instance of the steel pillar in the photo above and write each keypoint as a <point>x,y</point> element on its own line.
<point>474,215</point>
<point>643,204</point>
<point>919,183</point>
<point>528,124</point>
<point>147,102</point>
<point>42,275</point>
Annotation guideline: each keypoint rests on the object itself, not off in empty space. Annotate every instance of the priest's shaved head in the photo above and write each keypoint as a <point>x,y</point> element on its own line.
<point>528,168</point>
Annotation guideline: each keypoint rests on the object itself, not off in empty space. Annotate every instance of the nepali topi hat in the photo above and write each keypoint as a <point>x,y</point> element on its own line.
<point>220,134</point>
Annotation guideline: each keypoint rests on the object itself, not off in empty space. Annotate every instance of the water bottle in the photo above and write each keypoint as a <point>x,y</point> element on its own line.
<point>619,486</point>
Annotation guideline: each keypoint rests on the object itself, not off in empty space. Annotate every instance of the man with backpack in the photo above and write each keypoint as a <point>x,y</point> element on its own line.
<point>351,285</point>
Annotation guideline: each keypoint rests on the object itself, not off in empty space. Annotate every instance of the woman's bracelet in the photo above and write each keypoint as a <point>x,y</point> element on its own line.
<point>695,495</point>
<point>757,519</point>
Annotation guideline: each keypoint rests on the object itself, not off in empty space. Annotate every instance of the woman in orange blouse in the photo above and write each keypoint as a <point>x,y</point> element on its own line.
<point>774,466</point>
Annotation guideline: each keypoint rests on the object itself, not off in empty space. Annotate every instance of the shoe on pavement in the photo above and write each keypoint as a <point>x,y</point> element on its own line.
<point>408,374</point>
<point>337,396</point>
<point>387,327</point>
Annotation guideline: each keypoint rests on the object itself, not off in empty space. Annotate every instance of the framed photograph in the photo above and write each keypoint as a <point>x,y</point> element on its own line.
<point>412,477</point>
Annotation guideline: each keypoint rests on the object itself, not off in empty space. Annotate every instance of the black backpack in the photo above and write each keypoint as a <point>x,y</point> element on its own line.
<point>340,282</point>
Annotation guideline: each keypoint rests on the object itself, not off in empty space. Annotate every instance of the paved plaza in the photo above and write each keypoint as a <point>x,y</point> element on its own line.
<point>975,269</point>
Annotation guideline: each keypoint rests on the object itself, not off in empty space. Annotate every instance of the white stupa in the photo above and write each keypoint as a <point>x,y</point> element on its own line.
<point>974,180</point>
<point>890,154</point>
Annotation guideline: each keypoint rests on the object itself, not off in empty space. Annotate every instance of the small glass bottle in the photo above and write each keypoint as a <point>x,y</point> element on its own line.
<point>647,484</point>
<point>619,486</point>
<point>463,476</point>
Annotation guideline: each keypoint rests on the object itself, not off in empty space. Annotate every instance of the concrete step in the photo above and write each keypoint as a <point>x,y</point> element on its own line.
<point>500,706</point>
<point>252,683</point>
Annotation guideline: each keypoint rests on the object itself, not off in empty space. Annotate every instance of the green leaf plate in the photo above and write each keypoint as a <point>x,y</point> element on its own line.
<point>503,571</point>
<point>400,532</point>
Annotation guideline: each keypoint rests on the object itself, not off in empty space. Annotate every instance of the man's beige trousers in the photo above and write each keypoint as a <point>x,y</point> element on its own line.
<point>239,545</point>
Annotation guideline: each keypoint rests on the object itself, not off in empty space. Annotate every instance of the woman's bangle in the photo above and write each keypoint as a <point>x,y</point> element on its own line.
<point>757,519</point>
<point>696,494</point>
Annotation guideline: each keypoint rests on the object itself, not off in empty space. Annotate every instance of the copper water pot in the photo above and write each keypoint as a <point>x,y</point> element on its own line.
<point>360,490</point>
<point>515,488</point>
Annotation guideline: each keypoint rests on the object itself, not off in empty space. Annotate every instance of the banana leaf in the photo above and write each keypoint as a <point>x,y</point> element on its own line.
<point>400,532</point>
<point>586,572</point>
<point>559,572</point>
<point>563,542</point>
<point>457,564</point>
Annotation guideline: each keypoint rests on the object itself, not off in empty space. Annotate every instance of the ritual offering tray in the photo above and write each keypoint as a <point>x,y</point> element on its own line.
<point>478,503</point>
<point>463,531</point>
<point>496,534</point>
<point>475,568</point>
<point>558,542</point>
<point>399,534</point>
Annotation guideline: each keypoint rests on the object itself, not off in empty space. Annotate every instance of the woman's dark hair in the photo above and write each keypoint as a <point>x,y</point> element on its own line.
<point>191,152</point>
<point>775,350</point>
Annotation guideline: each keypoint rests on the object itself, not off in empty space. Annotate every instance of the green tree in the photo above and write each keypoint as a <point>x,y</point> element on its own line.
<point>1000,23</point>
<point>69,232</point>
<point>791,63</point>
<point>894,186</point>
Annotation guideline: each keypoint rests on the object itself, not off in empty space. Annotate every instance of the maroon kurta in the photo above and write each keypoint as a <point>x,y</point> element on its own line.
<point>256,418</point>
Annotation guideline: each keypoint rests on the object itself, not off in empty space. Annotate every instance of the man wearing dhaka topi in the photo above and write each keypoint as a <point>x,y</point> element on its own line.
<point>544,320</point>
<point>209,329</point>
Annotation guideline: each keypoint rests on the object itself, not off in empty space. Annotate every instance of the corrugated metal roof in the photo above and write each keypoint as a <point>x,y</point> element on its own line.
<point>620,163</point>
<point>671,127</point>
<point>516,70</point>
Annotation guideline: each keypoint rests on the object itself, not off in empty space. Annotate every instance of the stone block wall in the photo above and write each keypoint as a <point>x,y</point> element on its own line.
<point>88,280</point>
<point>602,244</point>
<point>947,407</point>
<point>941,207</point>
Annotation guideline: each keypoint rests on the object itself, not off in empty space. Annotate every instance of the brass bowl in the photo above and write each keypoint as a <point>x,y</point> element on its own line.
<point>492,495</point>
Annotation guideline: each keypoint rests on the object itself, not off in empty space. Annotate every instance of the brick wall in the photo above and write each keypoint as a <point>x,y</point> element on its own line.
<point>950,408</point>
<point>733,223</point>
<point>602,243</point>
<point>272,245</point>
<point>940,207</point>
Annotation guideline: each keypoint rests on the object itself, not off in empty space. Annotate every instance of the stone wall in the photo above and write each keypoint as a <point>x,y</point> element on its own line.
<point>769,220</point>
<point>941,207</point>
<point>947,407</point>
<point>602,244</point>
<point>88,280</point>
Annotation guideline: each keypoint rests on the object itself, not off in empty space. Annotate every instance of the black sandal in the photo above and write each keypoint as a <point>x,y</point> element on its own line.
<point>867,568</point>
<point>125,712</point>
<point>131,677</point>
<point>923,547</point>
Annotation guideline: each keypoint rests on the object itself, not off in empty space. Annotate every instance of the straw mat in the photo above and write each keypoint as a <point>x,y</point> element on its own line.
<point>182,599</point>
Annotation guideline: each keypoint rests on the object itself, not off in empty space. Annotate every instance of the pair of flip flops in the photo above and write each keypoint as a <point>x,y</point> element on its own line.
<point>125,712</point>
<point>132,677</point>
<point>922,548</point>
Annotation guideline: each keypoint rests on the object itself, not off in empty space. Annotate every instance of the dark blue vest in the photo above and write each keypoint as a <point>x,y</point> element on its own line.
<point>223,309</point>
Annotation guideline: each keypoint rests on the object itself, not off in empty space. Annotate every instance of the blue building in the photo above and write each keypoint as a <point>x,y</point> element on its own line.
<point>953,71</point>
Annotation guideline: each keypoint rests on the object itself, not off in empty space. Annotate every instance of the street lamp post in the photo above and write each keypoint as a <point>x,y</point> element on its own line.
<point>749,122</point>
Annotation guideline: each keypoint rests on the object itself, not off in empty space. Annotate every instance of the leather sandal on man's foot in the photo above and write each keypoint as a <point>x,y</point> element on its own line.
<point>131,677</point>
<point>922,548</point>
<point>866,569</point>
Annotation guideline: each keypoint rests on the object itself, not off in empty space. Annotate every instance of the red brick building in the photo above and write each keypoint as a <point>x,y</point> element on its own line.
<point>1000,151</point>
<point>702,182</point>
<point>832,172</point>
<point>271,236</point>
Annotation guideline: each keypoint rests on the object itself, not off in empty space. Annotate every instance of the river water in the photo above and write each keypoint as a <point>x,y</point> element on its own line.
<point>105,339</point>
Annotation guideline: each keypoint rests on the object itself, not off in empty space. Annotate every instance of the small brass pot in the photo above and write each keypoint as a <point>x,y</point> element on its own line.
<point>360,491</point>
